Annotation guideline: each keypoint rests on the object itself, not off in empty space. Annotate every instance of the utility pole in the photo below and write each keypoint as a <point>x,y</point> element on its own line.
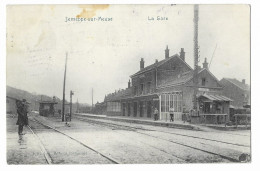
<point>213,55</point>
<point>196,58</point>
<point>71,93</point>
<point>77,105</point>
<point>92,101</point>
<point>64,82</point>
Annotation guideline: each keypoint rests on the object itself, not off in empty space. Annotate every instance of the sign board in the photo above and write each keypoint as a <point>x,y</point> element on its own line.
<point>203,89</point>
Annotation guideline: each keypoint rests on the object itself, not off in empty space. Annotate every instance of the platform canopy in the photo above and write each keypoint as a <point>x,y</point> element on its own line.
<point>211,97</point>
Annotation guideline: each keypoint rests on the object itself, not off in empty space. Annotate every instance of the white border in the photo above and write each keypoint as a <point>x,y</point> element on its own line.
<point>255,55</point>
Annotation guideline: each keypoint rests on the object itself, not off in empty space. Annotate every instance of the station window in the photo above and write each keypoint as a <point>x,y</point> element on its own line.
<point>142,89</point>
<point>149,87</point>
<point>135,90</point>
<point>171,101</point>
<point>203,81</point>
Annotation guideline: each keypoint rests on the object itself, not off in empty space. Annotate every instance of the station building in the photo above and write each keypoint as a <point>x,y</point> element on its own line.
<point>168,84</point>
<point>237,90</point>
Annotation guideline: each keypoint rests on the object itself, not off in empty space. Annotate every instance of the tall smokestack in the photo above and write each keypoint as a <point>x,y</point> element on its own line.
<point>196,56</point>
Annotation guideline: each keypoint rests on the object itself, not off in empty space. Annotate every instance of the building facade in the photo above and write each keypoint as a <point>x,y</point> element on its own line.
<point>239,91</point>
<point>167,84</point>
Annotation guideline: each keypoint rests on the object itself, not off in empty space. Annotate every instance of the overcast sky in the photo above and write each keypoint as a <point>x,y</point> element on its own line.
<point>103,54</point>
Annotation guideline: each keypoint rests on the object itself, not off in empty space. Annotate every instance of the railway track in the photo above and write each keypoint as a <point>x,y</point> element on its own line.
<point>184,135</point>
<point>43,149</point>
<point>47,155</point>
<point>137,130</point>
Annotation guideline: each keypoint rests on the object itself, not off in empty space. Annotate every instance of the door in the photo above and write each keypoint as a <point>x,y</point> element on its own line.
<point>141,109</point>
<point>135,109</point>
<point>149,109</point>
<point>171,100</point>
<point>207,107</point>
<point>129,109</point>
<point>123,109</point>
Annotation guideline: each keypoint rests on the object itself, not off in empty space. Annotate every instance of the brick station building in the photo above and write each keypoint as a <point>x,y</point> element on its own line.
<point>239,91</point>
<point>165,84</point>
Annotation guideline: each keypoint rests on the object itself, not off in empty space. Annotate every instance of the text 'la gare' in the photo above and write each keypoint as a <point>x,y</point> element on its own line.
<point>158,18</point>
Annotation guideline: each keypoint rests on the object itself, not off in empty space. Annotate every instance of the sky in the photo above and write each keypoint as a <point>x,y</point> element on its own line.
<point>103,54</point>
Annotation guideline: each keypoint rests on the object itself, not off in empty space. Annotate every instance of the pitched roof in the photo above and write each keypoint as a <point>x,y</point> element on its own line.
<point>155,65</point>
<point>184,78</point>
<point>179,79</point>
<point>118,95</point>
<point>216,97</point>
<point>238,83</point>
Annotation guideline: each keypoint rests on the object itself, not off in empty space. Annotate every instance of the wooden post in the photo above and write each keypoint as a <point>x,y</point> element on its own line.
<point>64,82</point>
<point>236,120</point>
<point>71,93</point>
<point>246,121</point>
<point>225,120</point>
<point>196,58</point>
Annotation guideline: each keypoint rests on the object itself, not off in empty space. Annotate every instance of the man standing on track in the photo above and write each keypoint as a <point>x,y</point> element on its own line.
<point>22,110</point>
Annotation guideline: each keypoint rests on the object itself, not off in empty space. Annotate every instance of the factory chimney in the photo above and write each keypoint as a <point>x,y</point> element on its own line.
<point>196,59</point>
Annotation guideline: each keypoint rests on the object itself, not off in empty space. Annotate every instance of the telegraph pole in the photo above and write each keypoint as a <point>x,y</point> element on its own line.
<point>196,58</point>
<point>64,82</point>
<point>77,105</point>
<point>71,93</point>
<point>92,101</point>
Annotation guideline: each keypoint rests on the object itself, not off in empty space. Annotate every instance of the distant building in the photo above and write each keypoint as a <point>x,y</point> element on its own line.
<point>239,91</point>
<point>167,84</point>
<point>11,105</point>
<point>99,108</point>
<point>47,108</point>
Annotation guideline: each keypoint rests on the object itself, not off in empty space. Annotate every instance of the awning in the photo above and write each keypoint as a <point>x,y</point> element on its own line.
<point>216,97</point>
<point>231,106</point>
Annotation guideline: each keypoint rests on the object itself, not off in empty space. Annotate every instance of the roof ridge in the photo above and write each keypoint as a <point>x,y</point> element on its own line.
<point>229,79</point>
<point>159,63</point>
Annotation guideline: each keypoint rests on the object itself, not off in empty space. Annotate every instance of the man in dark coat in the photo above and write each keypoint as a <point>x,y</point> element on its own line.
<point>22,111</point>
<point>156,112</point>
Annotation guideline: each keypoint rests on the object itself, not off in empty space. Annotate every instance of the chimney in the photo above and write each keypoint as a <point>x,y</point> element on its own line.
<point>182,54</point>
<point>243,81</point>
<point>205,64</point>
<point>129,84</point>
<point>167,52</point>
<point>142,64</point>
<point>156,60</point>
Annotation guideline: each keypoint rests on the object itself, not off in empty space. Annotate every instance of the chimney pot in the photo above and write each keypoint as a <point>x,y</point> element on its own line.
<point>182,54</point>
<point>129,84</point>
<point>205,64</point>
<point>142,63</point>
<point>167,52</point>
